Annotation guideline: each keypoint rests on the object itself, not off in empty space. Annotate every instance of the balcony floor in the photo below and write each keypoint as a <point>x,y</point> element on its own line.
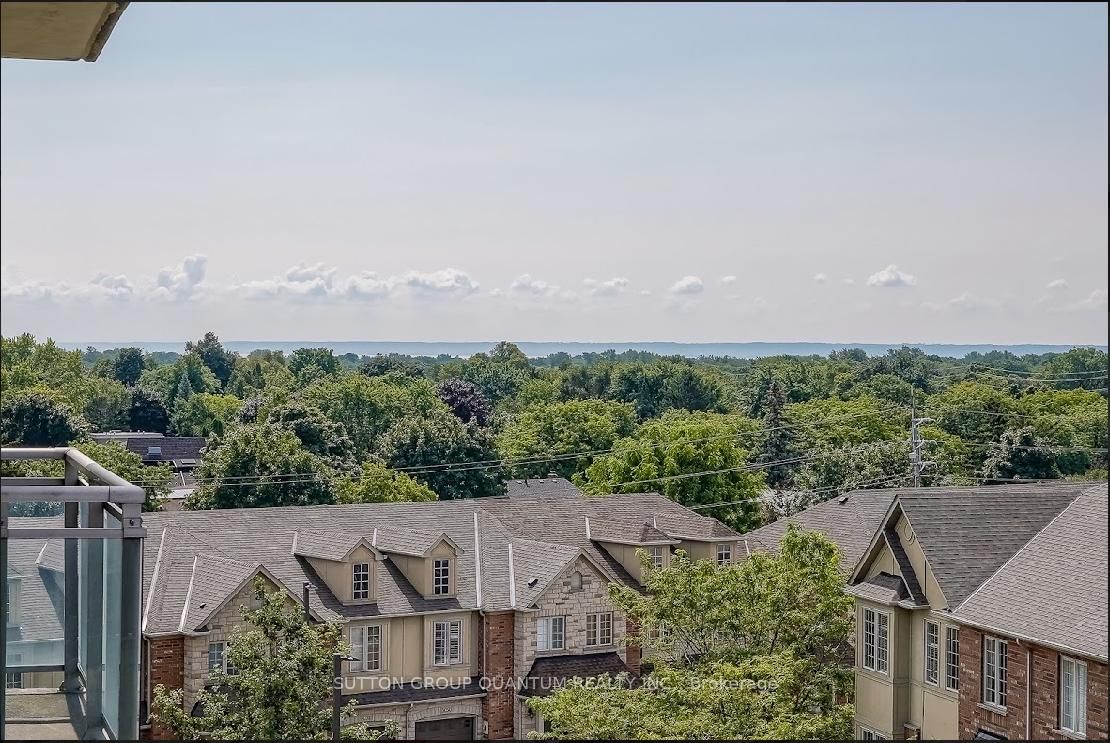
<point>41,714</point>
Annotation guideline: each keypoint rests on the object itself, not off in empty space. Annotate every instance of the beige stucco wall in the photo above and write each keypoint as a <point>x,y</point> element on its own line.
<point>338,575</point>
<point>626,555</point>
<point>905,697</point>
<point>418,570</point>
<point>707,550</point>
<point>408,653</point>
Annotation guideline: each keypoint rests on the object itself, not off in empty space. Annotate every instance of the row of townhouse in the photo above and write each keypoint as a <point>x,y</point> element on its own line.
<point>457,611</point>
<point>981,613</point>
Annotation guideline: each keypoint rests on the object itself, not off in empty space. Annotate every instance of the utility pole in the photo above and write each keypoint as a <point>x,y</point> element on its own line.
<point>917,444</point>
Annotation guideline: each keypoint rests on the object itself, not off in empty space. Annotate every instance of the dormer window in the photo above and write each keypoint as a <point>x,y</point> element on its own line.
<point>724,553</point>
<point>441,576</point>
<point>657,556</point>
<point>360,581</point>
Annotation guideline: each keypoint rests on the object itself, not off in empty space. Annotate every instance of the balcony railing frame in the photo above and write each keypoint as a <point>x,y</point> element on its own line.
<point>87,483</point>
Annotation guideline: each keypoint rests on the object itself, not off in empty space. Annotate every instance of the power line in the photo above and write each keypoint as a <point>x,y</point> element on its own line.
<point>538,459</point>
<point>811,491</point>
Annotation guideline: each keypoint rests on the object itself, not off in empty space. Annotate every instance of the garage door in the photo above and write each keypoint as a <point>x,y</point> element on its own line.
<point>452,728</point>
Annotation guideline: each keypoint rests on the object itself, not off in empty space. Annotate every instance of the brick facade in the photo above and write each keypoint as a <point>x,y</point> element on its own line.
<point>1024,661</point>
<point>496,645</point>
<point>167,668</point>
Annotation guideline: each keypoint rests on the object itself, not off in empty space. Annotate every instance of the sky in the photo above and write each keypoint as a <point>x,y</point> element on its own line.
<point>923,173</point>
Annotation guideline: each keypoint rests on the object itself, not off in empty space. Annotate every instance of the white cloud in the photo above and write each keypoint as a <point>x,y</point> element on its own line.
<point>170,284</point>
<point>525,284</point>
<point>180,282</point>
<point>1097,300</point>
<point>687,285</point>
<point>891,277</point>
<point>318,282</point>
<point>848,280</point>
<point>301,281</point>
<point>728,280</point>
<point>1056,285</point>
<point>444,281</point>
<point>645,292</point>
<point>611,288</point>
<point>820,278</point>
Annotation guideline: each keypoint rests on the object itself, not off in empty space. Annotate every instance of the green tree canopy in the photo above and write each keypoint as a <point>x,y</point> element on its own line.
<point>261,464</point>
<point>181,378</point>
<point>1019,454</point>
<point>31,418</point>
<point>438,441</point>
<point>213,355</point>
<point>368,407</point>
<point>563,428</point>
<point>682,446</point>
<point>205,414</point>
<point>376,483</point>
<point>753,650</point>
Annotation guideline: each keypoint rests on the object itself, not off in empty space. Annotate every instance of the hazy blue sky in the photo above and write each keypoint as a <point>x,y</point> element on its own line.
<point>555,172</point>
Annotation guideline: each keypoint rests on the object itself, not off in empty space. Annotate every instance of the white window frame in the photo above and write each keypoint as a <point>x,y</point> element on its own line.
<point>447,642</point>
<point>14,679</point>
<point>441,576</point>
<point>994,671</point>
<point>601,626</point>
<point>869,734</point>
<point>222,655</point>
<point>367,646</point>
<point>952,657</point>
<point>548,630</point>
<point>1077,724</point>
<point>658,558</point>
<point>879,641</point>
<point>930,667</point>
<point>724,553</point>
<point>360,584</point>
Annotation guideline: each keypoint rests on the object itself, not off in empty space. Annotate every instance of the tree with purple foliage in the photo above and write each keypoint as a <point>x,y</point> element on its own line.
<point>465,400</point>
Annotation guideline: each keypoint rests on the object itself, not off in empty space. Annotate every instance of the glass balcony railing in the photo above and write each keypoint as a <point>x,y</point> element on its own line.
<point>71,561</point>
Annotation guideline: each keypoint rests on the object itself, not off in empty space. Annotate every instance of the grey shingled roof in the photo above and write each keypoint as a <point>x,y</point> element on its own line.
<point>332,544</point>
<point>42,589</point>
<point>546,533</point>
<point>549,673</point>
<point>1053,590</point>
<point>968,533</point>
<point>883,588</point>
<point>543,486</point>
<point>850,521</point>
<point>604,530</point>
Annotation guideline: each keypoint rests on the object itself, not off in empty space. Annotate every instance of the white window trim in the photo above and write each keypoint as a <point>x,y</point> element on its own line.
<point>544,634</point>
<point>447,574</point>
<point>355,581</point>
<point>955,631</point>
<point>1001,684</point>
<point>875,734</point>
<point>725,547</point>
<point>223,656</point>
<point>450,627</point>
<point>863,644</point>
<point>926,647</point>
<point>1079,694</point>
<point>363,665</point>
<point>596,618</point>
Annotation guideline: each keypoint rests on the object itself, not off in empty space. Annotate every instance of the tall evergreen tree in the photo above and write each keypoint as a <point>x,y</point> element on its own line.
<point>778,441</point>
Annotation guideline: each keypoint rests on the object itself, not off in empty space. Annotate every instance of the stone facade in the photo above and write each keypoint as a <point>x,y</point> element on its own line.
<point>564,599</point>
<point>406,716</point>
<point>1036,705</point>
